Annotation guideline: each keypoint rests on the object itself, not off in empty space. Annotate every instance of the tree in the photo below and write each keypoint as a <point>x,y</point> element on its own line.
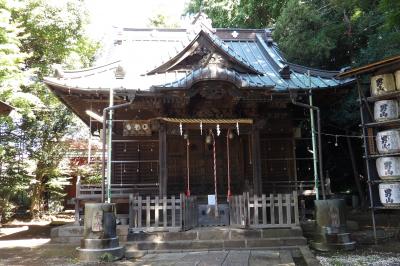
<point>12,174</point>
<point>160,20</point>
<point>46,33</point>
<point>239,14</point>
<point>303,34</point>
<point>327,34</point>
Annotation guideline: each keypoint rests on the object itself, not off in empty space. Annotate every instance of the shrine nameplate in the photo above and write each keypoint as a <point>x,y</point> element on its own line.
<point>137,128</point>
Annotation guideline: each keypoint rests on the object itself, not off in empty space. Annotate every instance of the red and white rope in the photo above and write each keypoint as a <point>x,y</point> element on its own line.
<point>215,173</point>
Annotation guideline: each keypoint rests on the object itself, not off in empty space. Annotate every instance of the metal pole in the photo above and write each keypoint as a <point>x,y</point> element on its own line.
<point>311,107</point>
<point>314,148</point>
<point>103,165</point>
<point>188,165</point>
<point>321,170</point>
<point>109,147</point>
<point>90,141</point>
<point>366,154</point>
<point>103,171</point>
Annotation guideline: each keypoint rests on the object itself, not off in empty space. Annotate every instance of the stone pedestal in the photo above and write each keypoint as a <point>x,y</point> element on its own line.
<point>330,230</point>
<point>100,240</point>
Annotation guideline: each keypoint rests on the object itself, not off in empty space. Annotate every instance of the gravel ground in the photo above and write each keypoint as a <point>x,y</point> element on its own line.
<point>386,254</point>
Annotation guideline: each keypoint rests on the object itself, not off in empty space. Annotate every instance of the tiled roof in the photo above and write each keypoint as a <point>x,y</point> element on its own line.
<point>151,51</point>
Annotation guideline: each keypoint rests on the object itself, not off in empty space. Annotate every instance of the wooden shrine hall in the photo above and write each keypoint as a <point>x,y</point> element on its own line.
<point>201,117</point>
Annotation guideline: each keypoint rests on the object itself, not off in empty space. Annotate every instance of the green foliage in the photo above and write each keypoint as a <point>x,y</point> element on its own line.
<point>107,257</point>
<point>303,34</point>
<point>327,34</point>
<point>238,14</point>
<point>89,174</point>
<point>391,12</point>
<point>34,35</point>
<point>55,28</point>
<point>11,57</point>
<point>159,20</point>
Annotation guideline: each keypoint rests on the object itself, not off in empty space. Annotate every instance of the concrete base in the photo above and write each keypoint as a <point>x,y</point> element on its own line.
<point>72,234</point>
<point>95,255</point>
<point>100,241</point>
<point>321,246</point>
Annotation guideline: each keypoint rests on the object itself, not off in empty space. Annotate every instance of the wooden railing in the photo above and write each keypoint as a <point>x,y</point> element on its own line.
<point>162,213</point>
<point>93,191</point>
<point>279,210</point>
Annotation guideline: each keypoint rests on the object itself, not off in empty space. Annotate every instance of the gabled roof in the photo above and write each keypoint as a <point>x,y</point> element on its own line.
<point>211,42</point>
<point>148,60</point>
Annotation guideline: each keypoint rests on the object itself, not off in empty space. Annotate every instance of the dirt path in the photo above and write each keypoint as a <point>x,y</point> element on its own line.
<point>33,231</point>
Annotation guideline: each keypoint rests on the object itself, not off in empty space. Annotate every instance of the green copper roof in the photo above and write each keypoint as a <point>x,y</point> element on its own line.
<point>148,58</point>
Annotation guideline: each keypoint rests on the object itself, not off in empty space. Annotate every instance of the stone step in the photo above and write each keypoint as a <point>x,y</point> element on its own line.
<point>213,244</point>
<point>223,258</point>
<point>215,233</point>
<point>293,250</point>
<point>72,234</point>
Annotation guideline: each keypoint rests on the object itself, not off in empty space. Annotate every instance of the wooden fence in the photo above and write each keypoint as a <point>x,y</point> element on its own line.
<point>279,210</point>
<point>190,213</point>
<point>153,213</point>
<point>162,213</point>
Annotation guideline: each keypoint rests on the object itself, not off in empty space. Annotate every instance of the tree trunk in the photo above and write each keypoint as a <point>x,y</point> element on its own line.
<point>37,195</point>
<point>355,172</point>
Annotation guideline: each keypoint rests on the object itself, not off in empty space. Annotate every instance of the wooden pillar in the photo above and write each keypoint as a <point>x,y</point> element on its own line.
<point>255,152</point>
<point>162,161</point>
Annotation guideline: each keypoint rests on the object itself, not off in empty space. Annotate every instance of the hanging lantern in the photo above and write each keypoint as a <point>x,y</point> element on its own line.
<point>201,128</point>
<point>208,139</point>
<point>218,130</point>
<point>180,128</point>
<point>237,128</point>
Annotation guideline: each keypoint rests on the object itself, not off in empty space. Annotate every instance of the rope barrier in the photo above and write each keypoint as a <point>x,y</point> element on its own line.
<point>206,120</point>
<point>228,162</point>
<point>215,173</point>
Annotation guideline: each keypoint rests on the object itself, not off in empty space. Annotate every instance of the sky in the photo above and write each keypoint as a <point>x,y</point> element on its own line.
<point>129,13</point>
